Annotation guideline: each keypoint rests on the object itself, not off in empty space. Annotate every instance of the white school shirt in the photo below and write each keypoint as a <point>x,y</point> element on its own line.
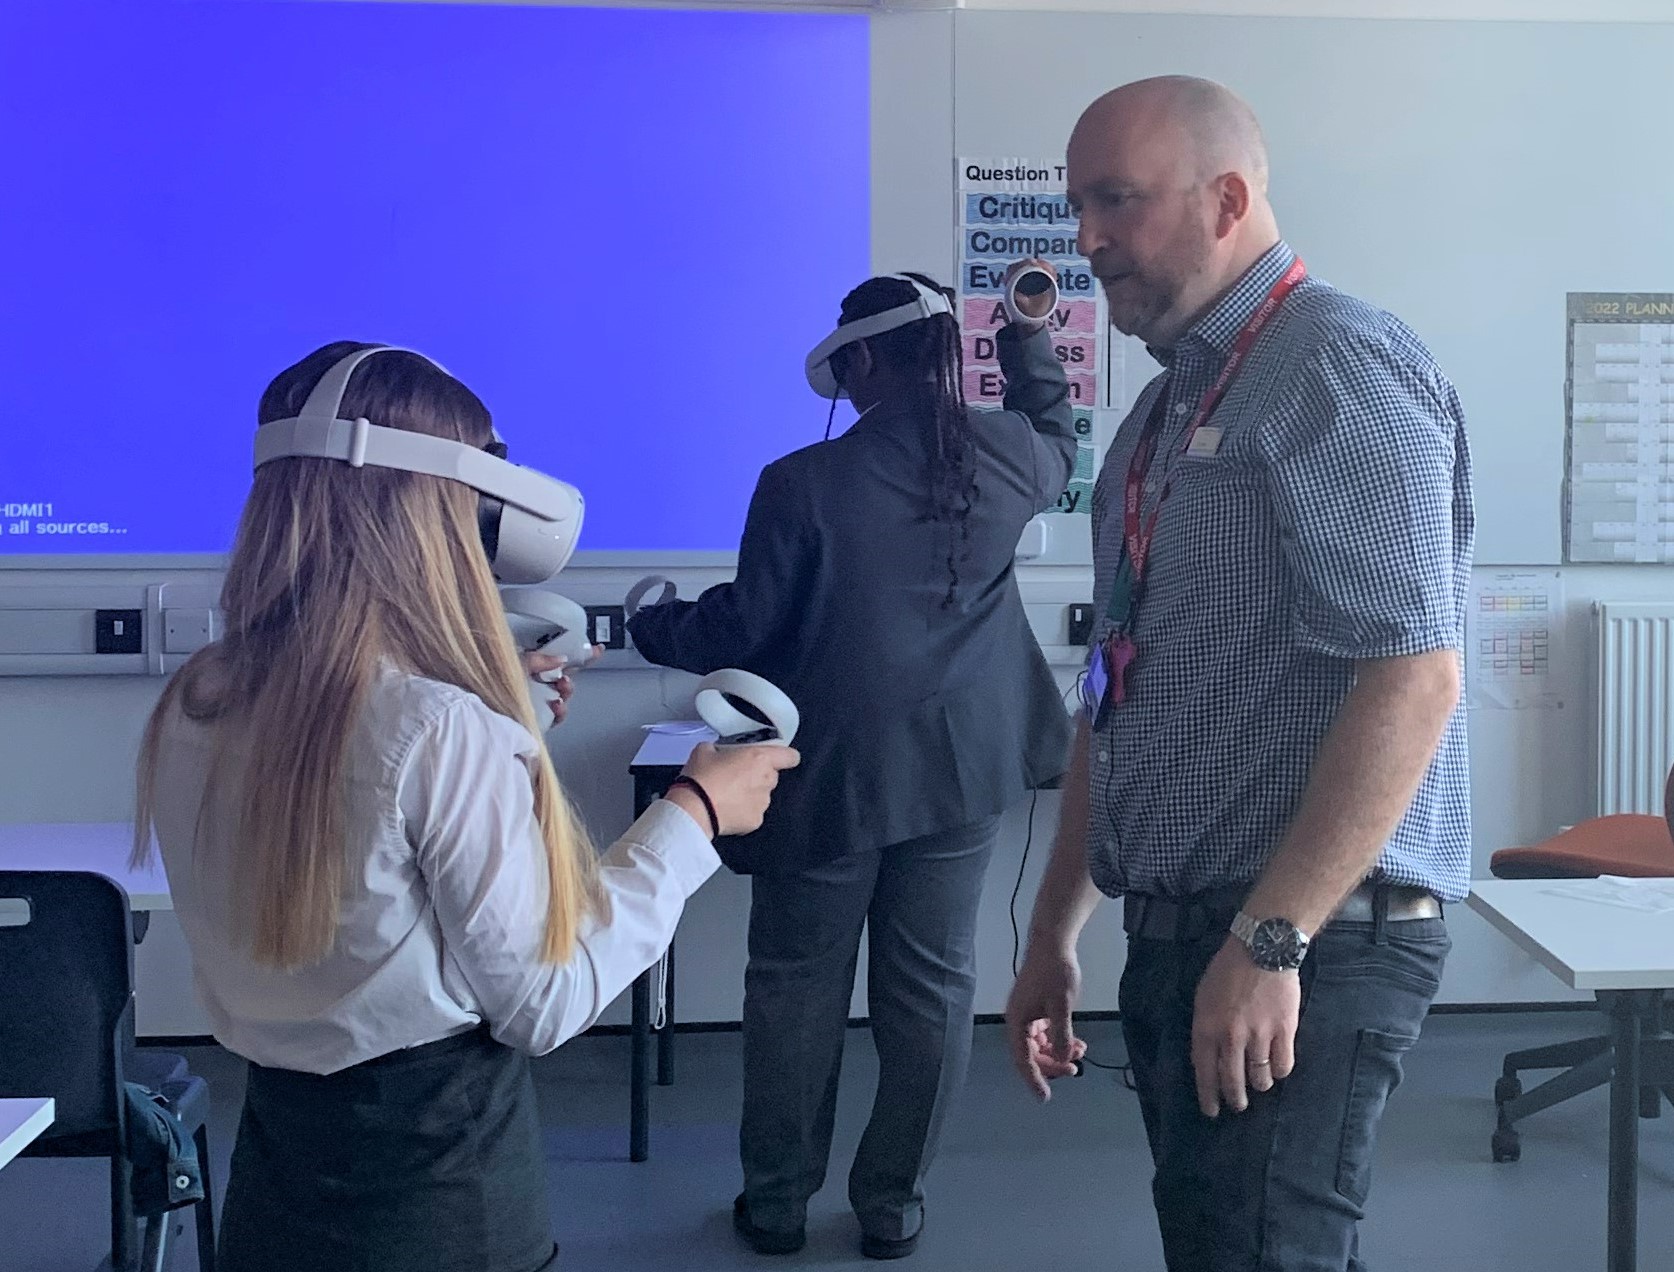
<point>445,904</point>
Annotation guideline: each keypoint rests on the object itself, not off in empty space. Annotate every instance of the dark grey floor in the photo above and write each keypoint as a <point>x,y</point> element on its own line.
<point>1018,1187</point>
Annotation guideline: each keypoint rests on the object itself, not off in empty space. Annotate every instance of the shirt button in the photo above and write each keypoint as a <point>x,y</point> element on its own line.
<point>1104,755</point>
<point>1180,409</point>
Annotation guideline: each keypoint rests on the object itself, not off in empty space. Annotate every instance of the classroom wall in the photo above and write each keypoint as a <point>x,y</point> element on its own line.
<point>66,746</point>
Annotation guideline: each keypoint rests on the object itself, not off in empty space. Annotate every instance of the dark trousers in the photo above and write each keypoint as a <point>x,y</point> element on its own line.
<point>427,1159</point>
<point>920,901</point>
<point>1281,1186</point>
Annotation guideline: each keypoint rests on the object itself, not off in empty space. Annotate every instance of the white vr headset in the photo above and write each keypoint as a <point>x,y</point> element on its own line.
<point>529,522</point>
<point>926,303</point>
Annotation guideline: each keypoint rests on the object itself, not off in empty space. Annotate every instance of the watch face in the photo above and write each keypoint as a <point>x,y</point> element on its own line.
<point>1278,945</point>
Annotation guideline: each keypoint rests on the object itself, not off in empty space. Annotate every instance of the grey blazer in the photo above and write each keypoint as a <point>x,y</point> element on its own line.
<point>916,718</point>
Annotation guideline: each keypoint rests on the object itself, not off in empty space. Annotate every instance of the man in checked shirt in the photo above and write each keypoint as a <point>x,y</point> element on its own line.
<point>1271,767</point>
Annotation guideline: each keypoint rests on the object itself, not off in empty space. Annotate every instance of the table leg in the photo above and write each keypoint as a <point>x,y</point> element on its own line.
<point>1624,1135</point>
<point>665,1037</point>
<point>639,1080</point>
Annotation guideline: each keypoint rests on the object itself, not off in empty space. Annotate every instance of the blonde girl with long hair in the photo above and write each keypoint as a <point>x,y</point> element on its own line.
<point>389,901</point>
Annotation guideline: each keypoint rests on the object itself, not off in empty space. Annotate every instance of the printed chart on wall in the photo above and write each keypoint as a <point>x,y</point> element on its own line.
<point>1620,397</point>
<point>1513,640</point>
<point>1010,209</point>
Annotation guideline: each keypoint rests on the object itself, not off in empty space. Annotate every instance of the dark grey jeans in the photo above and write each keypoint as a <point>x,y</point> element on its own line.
<point>920,901</point>
<point>1281,1186</point>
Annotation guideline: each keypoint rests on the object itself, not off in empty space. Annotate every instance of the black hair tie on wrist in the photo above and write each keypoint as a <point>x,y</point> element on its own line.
<point>696,787</point>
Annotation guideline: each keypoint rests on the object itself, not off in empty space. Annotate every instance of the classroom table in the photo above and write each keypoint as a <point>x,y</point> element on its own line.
<point>1583,933</point>
<point>96,847</point>
<point>21,1123</point>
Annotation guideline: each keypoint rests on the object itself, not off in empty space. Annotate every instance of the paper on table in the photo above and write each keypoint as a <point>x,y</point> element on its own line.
<point>1654,896</point>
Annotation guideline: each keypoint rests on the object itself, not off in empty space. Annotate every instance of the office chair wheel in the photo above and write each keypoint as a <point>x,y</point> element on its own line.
<point>1506,1090</point>
<point>1507,1145</point>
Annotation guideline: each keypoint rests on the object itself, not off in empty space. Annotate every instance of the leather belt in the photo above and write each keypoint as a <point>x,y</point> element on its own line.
<point>1205,913</point>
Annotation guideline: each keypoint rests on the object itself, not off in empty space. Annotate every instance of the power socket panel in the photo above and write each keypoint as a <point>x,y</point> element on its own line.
<point>607,625</point>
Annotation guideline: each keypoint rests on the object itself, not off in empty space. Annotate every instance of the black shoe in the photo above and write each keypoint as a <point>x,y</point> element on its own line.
<point>765,1240</point>
<point>885,1248</point>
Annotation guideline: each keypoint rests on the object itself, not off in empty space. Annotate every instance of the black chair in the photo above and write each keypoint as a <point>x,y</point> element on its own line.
<point>1634,844</point>
<point>67,1031</point>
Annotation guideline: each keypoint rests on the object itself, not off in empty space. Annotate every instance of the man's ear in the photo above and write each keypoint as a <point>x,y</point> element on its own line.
<point>1232,202</point>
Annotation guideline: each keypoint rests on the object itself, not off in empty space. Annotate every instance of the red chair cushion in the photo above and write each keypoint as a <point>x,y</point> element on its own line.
<point>1630,844</point>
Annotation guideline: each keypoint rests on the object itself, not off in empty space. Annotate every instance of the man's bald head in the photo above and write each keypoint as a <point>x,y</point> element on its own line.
<point>1169,178</point>
<point>1207,125</point>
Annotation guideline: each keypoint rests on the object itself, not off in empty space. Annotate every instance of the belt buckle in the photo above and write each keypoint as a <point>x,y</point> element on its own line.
<point>1402,903</point>
<point>1408,904</point>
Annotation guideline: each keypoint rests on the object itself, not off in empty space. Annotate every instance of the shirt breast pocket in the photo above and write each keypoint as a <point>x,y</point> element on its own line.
<point>1211,529</point>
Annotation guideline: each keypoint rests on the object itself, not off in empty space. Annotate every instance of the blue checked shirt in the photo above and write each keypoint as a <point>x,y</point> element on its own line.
<point>1333,524</point>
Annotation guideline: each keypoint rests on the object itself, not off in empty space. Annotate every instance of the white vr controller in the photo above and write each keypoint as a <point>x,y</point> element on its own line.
<point>1031,284</point>
<point>718,691</point>
<point>716,694</point>
<point>639,591</point>
<point>543,622</point>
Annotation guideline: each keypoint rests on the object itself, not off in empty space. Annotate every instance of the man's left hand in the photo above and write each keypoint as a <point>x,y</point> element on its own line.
<point>1243,1029</point>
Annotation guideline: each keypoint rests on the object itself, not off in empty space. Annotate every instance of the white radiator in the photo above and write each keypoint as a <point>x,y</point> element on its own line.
<point>1635,705</point>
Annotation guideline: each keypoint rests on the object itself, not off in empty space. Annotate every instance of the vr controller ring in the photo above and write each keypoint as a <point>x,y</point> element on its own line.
<point>636,595</point>
<point>729,722</point>
<point>1031,283</point>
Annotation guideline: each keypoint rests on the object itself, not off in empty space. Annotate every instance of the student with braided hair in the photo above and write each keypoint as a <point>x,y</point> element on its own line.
<point>875,585</point>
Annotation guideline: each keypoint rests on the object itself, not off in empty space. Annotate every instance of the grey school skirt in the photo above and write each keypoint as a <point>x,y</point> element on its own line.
<point>425,1160</point>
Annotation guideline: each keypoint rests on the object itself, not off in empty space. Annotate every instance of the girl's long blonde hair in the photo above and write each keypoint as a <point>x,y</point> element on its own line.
<point>335,570</point>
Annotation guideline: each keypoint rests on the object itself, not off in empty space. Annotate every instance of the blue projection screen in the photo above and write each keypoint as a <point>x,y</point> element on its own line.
<point>623,228</point>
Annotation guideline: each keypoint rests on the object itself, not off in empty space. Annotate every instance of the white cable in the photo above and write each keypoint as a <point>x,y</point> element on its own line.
<point>660,1019</point>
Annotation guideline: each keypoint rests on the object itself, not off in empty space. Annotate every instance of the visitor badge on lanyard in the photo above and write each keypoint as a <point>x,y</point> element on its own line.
<point>1105,684</point>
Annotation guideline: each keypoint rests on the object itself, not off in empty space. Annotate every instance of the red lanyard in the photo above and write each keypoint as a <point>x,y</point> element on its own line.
<point>1138,537</point>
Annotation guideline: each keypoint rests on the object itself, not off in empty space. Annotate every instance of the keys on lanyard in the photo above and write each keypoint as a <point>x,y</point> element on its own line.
<point>1119,648</point>
<point>1111,660</point>
<point>1105,684</point>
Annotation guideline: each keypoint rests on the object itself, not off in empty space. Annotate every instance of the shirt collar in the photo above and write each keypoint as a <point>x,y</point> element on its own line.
<point>1217,330</point>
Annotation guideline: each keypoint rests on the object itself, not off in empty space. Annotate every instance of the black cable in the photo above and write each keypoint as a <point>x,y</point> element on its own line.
<point>1126,1070</point>
<point>1028,842</point>
<point>1017,888</point>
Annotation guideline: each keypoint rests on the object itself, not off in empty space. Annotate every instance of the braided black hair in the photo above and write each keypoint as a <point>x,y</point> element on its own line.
<point>926,359</point>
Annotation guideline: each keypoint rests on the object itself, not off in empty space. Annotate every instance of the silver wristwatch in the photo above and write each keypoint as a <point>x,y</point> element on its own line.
<point>1275,945</point>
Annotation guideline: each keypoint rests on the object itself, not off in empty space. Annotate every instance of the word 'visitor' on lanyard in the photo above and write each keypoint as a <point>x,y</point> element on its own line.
<point>1107,668</point>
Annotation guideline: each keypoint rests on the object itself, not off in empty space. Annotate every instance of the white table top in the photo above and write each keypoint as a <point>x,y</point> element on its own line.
<point>21,1122</point>
<point>99,847</point>
<point>1584,940</point>
<point>670,744</point>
